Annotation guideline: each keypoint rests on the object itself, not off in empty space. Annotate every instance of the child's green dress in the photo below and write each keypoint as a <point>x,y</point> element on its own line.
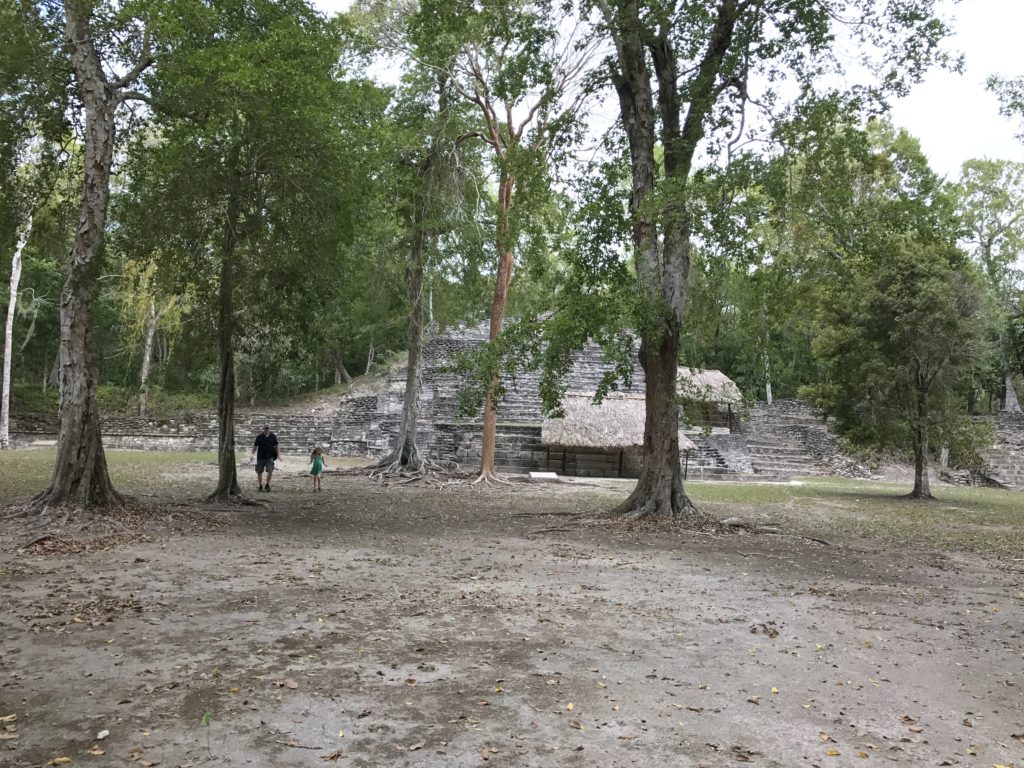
<point>318,466</point>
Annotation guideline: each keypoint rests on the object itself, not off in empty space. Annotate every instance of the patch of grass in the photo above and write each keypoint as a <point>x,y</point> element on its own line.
<point>740,493</point>
<point>981,520</point>
<point>27,472</point>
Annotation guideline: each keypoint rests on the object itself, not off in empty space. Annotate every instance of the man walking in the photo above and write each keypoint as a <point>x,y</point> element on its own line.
<point>267,453</point>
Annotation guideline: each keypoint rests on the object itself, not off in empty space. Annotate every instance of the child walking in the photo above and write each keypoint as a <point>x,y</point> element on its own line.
<point>316,458</point>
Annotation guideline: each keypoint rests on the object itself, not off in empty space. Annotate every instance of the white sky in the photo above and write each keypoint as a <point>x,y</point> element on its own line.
<point>953,115</point>
<point>955,118</point>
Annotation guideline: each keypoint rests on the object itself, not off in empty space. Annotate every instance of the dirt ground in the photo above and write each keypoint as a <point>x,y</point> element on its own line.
<point>407,626</point>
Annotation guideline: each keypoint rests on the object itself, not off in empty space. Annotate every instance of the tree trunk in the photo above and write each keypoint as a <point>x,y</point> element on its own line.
<point>659,490</point>
<point>406,454</point>
<point>922,488</point>
<point>147,354</point>
<point>506,261</point>
<point>227,462</point>
<point>764,354</point>
<point>80,476</point>
<point>341,374</point>
<point>1010,402</point>
<point>5,397</point>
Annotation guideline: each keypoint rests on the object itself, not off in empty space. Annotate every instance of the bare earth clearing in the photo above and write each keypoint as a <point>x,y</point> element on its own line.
<point>407,626</point>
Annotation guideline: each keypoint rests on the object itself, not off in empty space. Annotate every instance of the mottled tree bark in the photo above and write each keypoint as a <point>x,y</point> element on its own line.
<point>406,454</point>
<point>80,476</point>
<point>147,354</point>
<point>12,305</point>
<point>661,233</point>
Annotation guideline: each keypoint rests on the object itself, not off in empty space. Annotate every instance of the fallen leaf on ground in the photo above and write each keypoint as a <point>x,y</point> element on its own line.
<point>102,735</point>
<point>570,707</point>
<point>8,718</point>
<point>60,761</point>
<point>417,745</point>
<point>833,753</point>
<point>333,756</point>
<point>576,724</point>
<point>96,751</point>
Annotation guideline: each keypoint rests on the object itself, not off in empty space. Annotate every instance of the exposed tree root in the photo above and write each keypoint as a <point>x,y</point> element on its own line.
<point>556,529</point>
<point>657,508</point>
<point>546,514</point>
<point>489,477</point>
<point>238,499</point>
<point>392,471</point>
<point>919,497</point>
<point>762,529</point>
<point>57,529</point>
<point>411,471</point>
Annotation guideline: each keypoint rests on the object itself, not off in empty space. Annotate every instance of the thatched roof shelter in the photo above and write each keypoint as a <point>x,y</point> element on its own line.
<point>707,386</point>
<point>618,422</point>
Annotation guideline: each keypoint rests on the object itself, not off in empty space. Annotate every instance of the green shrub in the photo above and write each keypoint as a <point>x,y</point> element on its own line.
<point>30,399</point>
<point>113,399</point>
<point>164,404</point>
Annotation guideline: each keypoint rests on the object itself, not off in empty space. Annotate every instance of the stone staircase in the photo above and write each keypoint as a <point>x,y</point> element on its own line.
<point>778,457</point>
<point>787,439</point>
<point>706,462</point>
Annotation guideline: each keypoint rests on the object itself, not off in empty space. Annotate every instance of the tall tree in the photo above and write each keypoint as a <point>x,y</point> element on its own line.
<point>990,197</point>
<point>33,97</point>
<point>96,50</point>
<point>256,117</point>
<point>904,322</point>
<point>5,396</point>
<point>520,65</point>
<point>683,72</point>
<point>432,174</point>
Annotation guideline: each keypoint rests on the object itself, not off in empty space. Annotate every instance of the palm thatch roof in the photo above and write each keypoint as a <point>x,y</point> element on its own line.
<point>707,386</point>
<point>618,422</point>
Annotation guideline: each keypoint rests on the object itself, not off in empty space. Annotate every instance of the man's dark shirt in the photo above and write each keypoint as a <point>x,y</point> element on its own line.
<point>265,446</point>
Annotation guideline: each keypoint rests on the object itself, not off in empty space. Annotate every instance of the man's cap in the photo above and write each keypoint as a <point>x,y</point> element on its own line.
<point>266,426</point>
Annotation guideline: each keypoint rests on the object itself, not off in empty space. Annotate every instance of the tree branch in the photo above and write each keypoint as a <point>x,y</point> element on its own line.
<point>145,61</point>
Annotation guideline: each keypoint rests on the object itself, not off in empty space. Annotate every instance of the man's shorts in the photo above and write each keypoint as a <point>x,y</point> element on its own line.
<point>264,465</point>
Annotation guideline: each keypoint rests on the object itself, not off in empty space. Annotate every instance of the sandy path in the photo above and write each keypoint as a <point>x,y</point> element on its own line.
<point>405,627</point>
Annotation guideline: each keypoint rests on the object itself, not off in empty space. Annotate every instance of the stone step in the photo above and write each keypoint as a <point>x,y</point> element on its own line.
<point>796,454</point>
<point>795,461</point>
<point>776,450</point>
<point>785,469</point>
<point>746,477</point>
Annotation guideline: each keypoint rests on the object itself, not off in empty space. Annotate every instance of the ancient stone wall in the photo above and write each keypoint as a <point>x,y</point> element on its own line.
<point>785,438</point>
<point>298,433</point>
<point>1004,460</point>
